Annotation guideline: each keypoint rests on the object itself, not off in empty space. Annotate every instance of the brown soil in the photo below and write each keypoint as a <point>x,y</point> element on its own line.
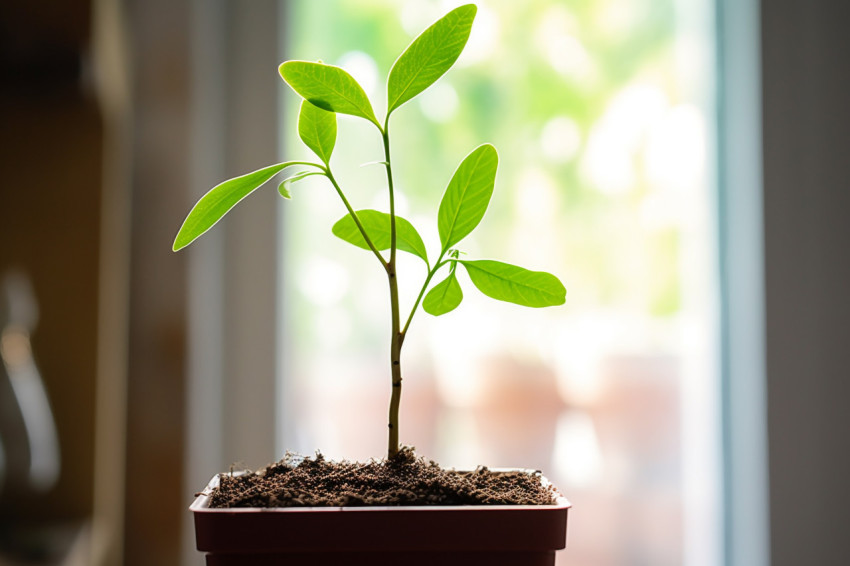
<point>404,480</point>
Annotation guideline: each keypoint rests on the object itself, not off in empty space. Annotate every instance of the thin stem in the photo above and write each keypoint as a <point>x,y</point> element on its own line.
<point>386,136</point>
<point>354,216</point>
<point>431,274</point>
<point>397,337</point>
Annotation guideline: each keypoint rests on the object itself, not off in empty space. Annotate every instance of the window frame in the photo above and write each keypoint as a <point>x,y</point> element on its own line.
<point>742,283</point>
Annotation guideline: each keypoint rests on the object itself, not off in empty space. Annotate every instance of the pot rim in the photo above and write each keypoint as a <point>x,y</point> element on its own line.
<point>202,501</point>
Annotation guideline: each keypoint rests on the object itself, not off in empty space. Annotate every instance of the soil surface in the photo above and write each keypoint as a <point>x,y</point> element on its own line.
<point>296,481</point>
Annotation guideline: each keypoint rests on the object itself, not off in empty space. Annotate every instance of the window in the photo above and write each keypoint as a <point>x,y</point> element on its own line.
<point>601,112</point>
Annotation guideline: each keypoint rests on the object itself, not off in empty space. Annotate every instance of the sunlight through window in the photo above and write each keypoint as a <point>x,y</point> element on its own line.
<point>601,111</point>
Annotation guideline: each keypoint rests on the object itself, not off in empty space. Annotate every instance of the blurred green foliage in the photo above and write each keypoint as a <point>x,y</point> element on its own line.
<point>534,61</point>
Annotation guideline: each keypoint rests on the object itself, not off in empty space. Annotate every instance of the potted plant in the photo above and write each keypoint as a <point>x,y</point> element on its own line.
<point>481,516</point>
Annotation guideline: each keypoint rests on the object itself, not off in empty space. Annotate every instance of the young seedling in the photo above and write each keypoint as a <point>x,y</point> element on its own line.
<point>328,90</point>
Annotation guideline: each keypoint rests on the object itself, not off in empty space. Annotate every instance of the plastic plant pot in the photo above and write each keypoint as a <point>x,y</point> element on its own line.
<point>495,535</point>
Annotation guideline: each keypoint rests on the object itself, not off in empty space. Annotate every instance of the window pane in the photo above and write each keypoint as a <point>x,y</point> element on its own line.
<point>600,112</point>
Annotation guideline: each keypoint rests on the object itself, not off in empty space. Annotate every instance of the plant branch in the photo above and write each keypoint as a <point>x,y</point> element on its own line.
<point>354,216</point>
<point>431,274</point>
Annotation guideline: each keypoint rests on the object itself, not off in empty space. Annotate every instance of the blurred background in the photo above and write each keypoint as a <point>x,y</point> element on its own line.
<point>677,163</point>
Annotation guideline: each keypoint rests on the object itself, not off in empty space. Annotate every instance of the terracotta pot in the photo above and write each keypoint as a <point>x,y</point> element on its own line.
<point>498,535</point>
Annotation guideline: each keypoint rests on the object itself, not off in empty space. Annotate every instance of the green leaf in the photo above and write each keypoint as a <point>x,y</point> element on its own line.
<point>329,88</point>
<point>317,128</point>
<point>377,225</point>
<point>467,196</point>
<point>429,56</point>
<point>513,284</point>
<point>444,297</point>
<point>219,200</point>
<point>283,188</point>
